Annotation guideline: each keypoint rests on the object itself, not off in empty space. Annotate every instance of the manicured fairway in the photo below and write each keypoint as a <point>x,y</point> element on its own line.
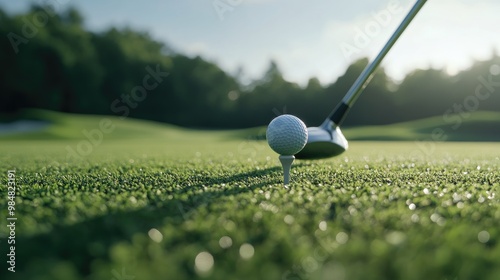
<point>210,204</point>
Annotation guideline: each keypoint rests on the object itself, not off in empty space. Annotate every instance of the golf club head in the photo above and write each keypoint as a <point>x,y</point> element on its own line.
<point>323,142</point>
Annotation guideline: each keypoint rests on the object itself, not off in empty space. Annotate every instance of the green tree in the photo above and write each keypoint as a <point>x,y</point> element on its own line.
<point>55,67</point>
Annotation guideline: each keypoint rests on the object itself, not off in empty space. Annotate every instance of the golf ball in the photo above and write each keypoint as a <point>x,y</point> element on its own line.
<point>286,135</point>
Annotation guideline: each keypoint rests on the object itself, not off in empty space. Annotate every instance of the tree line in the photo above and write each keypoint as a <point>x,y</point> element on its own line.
<point>50,61</point>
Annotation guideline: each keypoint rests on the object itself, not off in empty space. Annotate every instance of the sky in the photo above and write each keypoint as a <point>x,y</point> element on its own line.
<point>307,38</point>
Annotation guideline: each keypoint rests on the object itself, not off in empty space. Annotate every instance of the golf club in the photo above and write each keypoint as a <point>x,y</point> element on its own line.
<point>327,140</point>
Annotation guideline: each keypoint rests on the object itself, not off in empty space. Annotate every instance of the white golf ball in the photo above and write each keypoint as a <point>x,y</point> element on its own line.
<point>286,135</point>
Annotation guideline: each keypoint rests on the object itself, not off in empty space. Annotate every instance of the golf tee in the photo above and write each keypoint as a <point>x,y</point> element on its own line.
<point>286,162</point>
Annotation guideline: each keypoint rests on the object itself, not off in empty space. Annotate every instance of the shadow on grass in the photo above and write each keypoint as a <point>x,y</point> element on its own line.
<point>83,242</point>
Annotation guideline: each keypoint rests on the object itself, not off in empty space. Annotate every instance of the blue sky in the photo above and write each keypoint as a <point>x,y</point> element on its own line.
<point>306,37</point>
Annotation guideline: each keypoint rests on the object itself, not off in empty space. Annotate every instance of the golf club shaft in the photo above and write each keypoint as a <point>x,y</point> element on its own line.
<point>338,114</point>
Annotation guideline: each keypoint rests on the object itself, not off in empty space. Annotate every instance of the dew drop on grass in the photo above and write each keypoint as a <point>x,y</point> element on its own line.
<point>483,236</point>
<point>441,221</point>
<point>491,195</point>
<point>456,197</point>
<point>352,210</point>
<point>415,218</point>
<point>289,219</point>
<point>155,235</point>
<point>447,203</point>
<point>395,237</point>
<point>342,237</point>
<point>434,217</point>
<point>225,242</point>
<point>257,217</point>
<point>322,225</point>
<point>229,225</point>
<point>203,262</point>
<point>246,251</point>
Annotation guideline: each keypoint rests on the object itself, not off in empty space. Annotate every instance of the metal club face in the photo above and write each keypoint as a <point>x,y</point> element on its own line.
<point>323,142</point>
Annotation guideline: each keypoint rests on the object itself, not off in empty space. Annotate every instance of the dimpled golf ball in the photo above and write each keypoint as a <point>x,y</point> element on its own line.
<point>286,135</point>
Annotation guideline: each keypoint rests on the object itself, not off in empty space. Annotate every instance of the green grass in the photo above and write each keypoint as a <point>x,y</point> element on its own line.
<point>382,210</point>
<point>478,126</point>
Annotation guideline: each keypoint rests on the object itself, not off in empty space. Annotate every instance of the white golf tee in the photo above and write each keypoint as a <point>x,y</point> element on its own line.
<point>286,162</point>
